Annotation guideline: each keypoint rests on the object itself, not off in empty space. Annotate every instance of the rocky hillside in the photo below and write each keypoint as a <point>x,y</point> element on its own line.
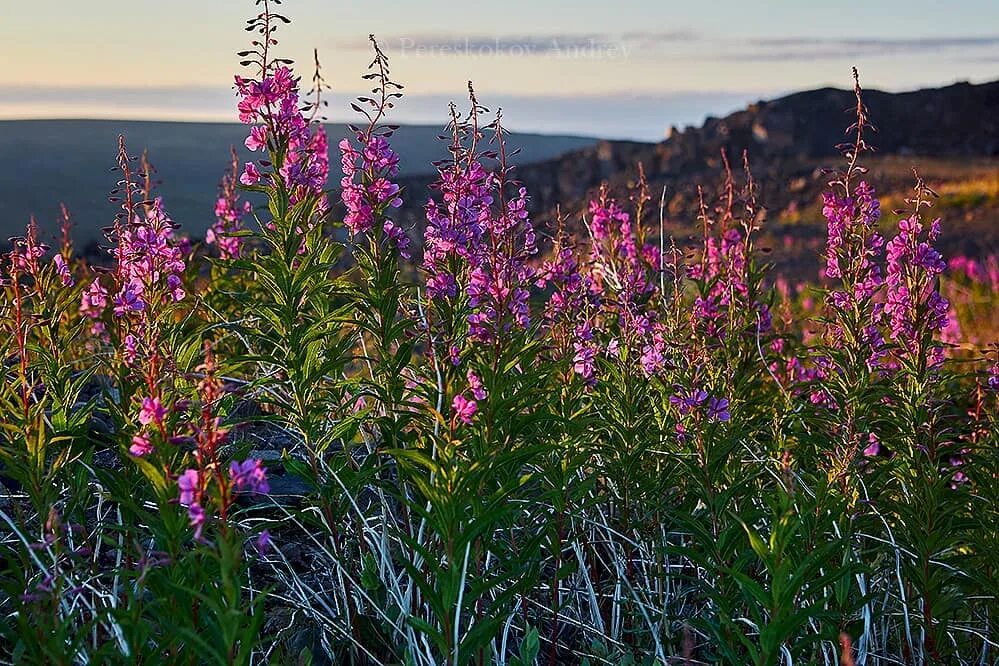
<point>950,133</point>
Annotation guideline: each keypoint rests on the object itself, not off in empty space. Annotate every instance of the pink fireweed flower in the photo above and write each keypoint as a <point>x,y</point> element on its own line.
<point>687,402</point>
<point>367,191</point>
<point>62,268</point>
<point>478,391</point>
<point>149,265</point>
<point>854,250</point>
<point>93,300</point>
<point>257,140</point>
<point>152,411</point>
<point>498,284</point>
<point>852,242</point>
<point>131,349</point>
<point>141,446</point>
<point>197,516</point>
<point>569,314</point>
<point>229,214</point>
<point>913,267</point>
<point>605,218</point>
<point>464,409</point>
<point>251,175</point>
<point>476,251</point>
<point>621,284</point>
<point>993,380</point>
<point>272,105</point>
<point>263,543</point>
<point>455,226</point>
<point>27,251</point>
<point>873,446</point>
<point>129,299</point>
<point>653,356</point>
<point>584,361</point>
<point>723,277</point>
<point>189,485</point>
<point>249,476</point>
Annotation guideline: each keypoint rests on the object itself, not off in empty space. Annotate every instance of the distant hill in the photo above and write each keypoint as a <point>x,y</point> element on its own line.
<point>961,120</point>
<point>45,162</point>
<point>951,133</point>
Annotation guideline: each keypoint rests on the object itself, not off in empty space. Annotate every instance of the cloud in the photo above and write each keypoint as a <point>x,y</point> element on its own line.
<point>904,43</point>
<point>648,42</point>
<point>818,48</point>
<point>539,45</point>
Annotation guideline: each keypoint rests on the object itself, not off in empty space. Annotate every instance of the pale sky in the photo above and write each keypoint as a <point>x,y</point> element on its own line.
<point>554,65</point>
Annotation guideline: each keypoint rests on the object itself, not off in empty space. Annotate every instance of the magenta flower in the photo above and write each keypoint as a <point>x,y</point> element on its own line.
<point>229,214</point>
<point>257,140</point>
<point>251,174</point>
<point>263,542</point>
<point>93,300</point>
<point>27,250</point>
<point>993,380</point>
<point>129,299</point>
<point>131,349</point>
<point>367,191</point>
<point>272,105</point>
<point>249,476</point>
<point>686,403</point>
<point>464,409</point>
<point>149,267</point>
<point>141,446</point>
<point>189,486</point>
<point>62,268</point>
<point>152,411</point>
<point>196,513</point>
<point>913,303</point>
<point>478,391</point>
<point>718,409</point>
<point>873,447</point>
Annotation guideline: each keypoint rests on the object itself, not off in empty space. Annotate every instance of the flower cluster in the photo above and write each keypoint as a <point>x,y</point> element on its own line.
<point>367,188</point>
<point>455,226</point>
<point>853,244</point>
<point>149,268</point>
<point>854,249</point>
<point>196,484</point>
<point>298,146</point>
<point>993,381</point>
<point>229,214</point>
<point>570,310</point>
<point>464,408</point>
<point>724,274</point>
<point>699,402</point>
<point>913,304</point>
<point>479,250</point>
<point>622,271</point>
<point>500,273</point>
<point>26,253</point>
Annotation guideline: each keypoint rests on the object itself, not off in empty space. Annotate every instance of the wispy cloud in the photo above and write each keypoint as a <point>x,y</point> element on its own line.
<point>656,42</point>
<point>824,48</point>
<point>536,45</point>
<point>904,43</point>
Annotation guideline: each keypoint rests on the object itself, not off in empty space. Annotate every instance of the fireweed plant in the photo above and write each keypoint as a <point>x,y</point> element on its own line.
<point>320,436</point>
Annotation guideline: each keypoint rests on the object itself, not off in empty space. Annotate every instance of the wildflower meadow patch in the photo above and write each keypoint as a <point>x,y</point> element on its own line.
<point>319,436</point>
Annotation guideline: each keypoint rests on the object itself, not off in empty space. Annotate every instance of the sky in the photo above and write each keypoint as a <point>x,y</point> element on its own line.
<point>614,68</point>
